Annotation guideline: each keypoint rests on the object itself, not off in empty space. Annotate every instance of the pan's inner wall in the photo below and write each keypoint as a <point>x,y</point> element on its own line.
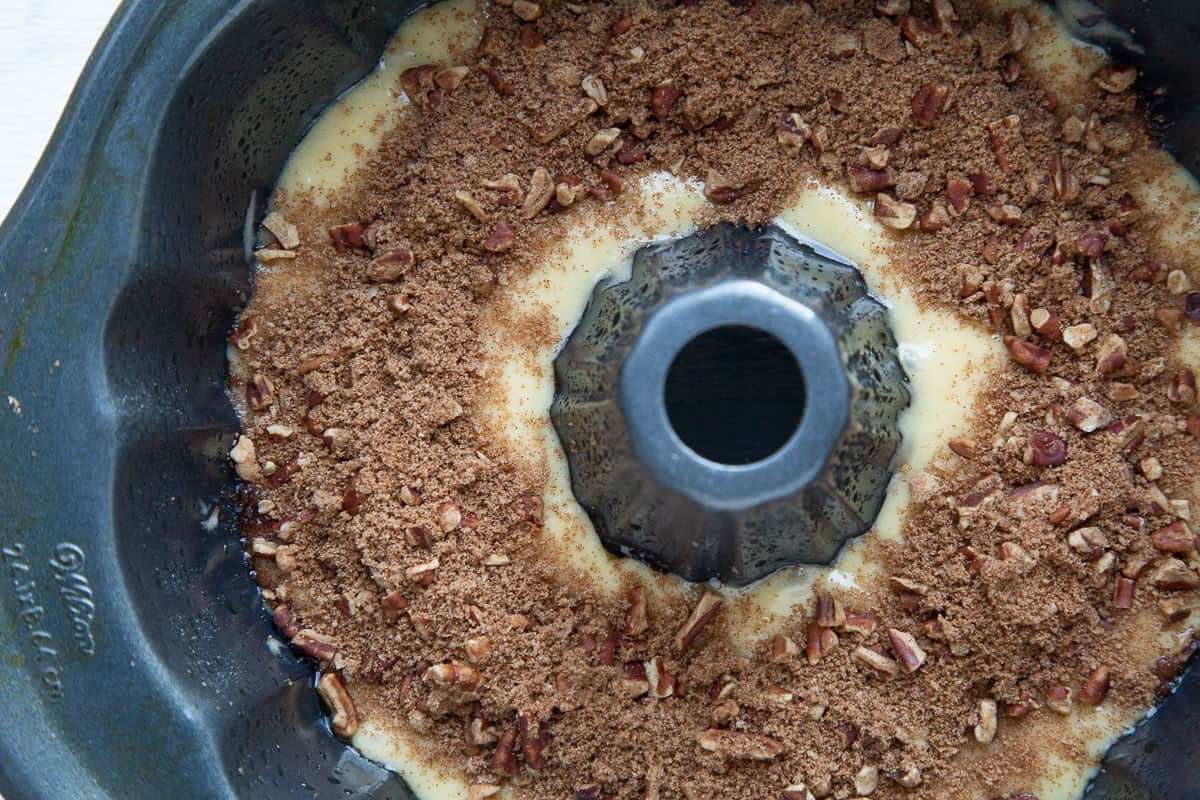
<point>239,108</point>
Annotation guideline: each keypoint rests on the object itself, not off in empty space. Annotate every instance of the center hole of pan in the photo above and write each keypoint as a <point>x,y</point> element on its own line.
<point>735,395</point>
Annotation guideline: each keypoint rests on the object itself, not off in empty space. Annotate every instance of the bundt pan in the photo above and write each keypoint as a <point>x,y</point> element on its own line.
<point>137,657</point>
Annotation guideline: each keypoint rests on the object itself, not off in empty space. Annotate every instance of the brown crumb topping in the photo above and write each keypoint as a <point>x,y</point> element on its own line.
<point>401,546</point>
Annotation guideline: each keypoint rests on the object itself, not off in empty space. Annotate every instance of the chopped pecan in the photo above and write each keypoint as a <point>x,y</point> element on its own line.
<point>929,102</point>
<point>866,180</point>
<point>830,612</point>
<point>704,612</point>
<point>1046,324</point>
<point>663,98</point>
<point>875,660</point>
<point>1058,699</point>
<point>1046,449</point>
<point>1174,538</point>
<point>1095,688</point>
<point>783,649</point>
<point>391,265</point>
<point>453,675</point>
<point>908,652</point>
<point>740,744</point>
<point>343,716</point>
<point>534,739</point>
<point>635,619</point>
<point>541,190</point>
<point>1029,356</point>
<point>1116,78</point>
<point>917,31</point>
<point>819,642</point>
<point>1123,593</point>
<point>393,606</point>
<point>504,760</point>
<point>1112,355</point>
<point>947,21</point>
<point>985,729</point>
<point>721,190</point>
<point>1172,575</point>
<point>662,683</point>
<point>793,132</point>
<point>894,213</point>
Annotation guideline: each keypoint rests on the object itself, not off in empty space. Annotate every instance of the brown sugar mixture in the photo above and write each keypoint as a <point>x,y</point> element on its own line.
<point>1046,556</point>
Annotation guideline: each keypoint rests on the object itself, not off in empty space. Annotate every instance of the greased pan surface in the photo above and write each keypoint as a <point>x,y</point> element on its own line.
<point>137,661</point>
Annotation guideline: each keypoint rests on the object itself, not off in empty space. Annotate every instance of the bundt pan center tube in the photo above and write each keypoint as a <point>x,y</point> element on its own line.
<point>137,655</point>
<point>672,347</point>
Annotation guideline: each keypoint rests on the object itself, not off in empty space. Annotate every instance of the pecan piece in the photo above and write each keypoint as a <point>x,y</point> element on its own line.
<point>501,239</point>
<point>1183,387</point>
<point>929,102</point>
<point>1047,324</point>
<point>1095,688</point>
<point>866,180</point>
<point>453,675</point>
<point>721,190</point>
<point>391,265</point>
<point>875,660</point>
<point>393,606</point>
<point>936,218</point>
<point>423,574</point>
<point>1046,449</point>
<point>315,645</point>
<point>704,612</point>
<point>740,744</point>
<point>830,612</point>
<point>635,619</point>
<point>633,682</point>
<point>793,132</point>
<point>1123,593</point>
<point>504,760</point>
<point>1008,145</point>
<point>1174,538</point>
<point>1173,610</point>
<point>819,642</point>
<point>1066,185</point>
<point>917,31</point>
<point>663,98</point>
<point>947,21</point>
<point>541,190</point>
<point>260,392</point>
<point>343,716</point>
<point>1058,699</point>
<point>534,740</point>
<point>862,624</point>
<point>1172,575</point>
<point>894,213</point>
<point>959,190</point>
<point>1116,78</point>
<point>1130,432</point>
<point>783,649</point>
<point>662,683</point>
<point>985,729</point>
<point>908,652</point>
<point>1112,355</point>
<point>1030,356</point>
<point>283,619</point>
<point>451,78</point>
<point>1088,416</point>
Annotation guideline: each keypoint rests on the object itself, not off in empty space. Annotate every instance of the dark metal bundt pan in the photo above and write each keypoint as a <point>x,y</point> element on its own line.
<point>136,657</point>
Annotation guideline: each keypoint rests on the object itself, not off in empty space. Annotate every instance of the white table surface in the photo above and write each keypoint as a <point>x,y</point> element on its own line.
<point>43,47</point>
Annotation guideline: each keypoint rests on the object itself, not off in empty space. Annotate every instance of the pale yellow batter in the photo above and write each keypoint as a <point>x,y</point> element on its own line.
<point>945,358</point>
